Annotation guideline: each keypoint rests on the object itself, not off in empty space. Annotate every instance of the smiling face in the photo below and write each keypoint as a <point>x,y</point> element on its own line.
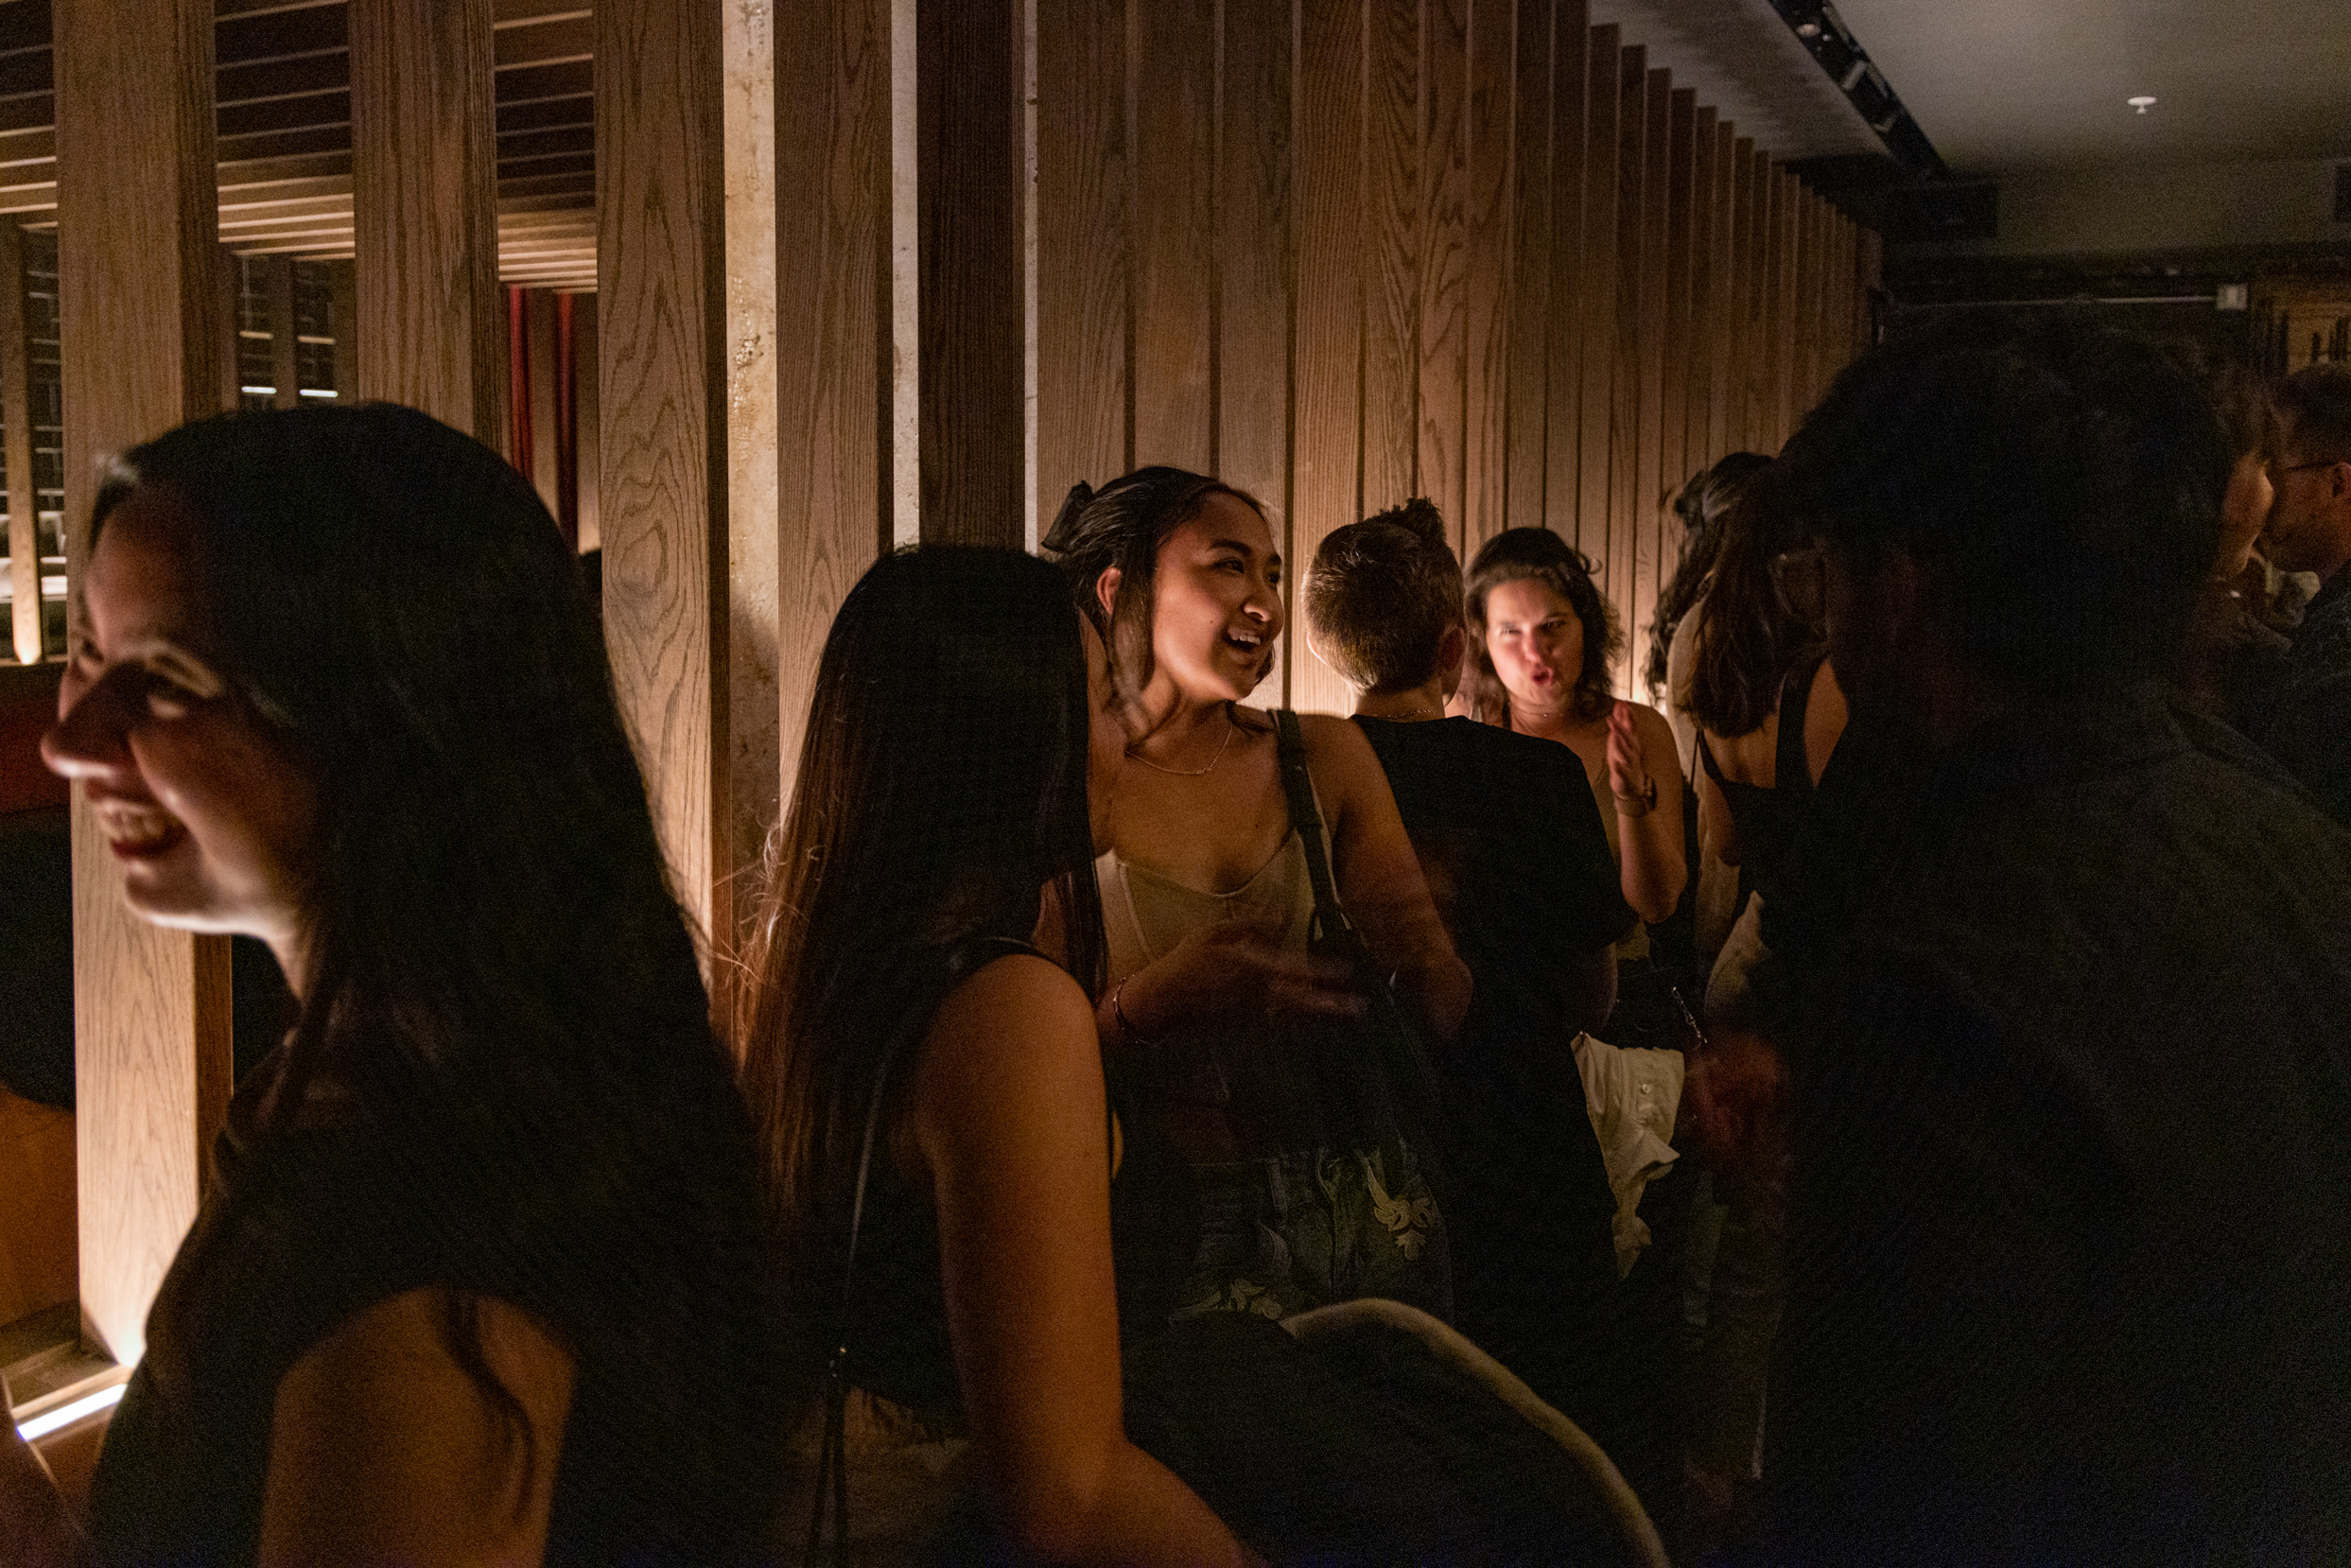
<point>204,808</point>
<point>1216,606</point>
<point>1536,642</point>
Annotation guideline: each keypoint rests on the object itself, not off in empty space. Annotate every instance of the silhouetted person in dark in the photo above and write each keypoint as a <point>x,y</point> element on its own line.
<point>2060,983</point>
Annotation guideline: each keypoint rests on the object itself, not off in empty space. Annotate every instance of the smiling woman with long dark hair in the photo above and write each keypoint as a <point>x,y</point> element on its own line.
<point>477,1272</point>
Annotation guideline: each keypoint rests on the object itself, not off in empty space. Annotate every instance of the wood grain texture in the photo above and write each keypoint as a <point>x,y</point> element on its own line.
<point>1254,268</point>
<point>423,210</point>
<point>16,429</point>
<point>1739,296</point>
<point>1756,285</point>
<point>661,329</point>
<point>1701,346</point>
<point>832,339</point>
<point>754,768</point>
<point>1721,291</point>
<point>1674,357</point>
<point>1533,120</point>
<point>1646,511</point>
<point>1571,170</point>
<point>284,373</point>
<point>1394,235</point>
<point>1485,443</point>
<point>1446,262</point>
<point>972,316</point>
<point>1617,556</point>
<point>1085,409</point>
<point>1780,314</point>
<point>136,266</point>
<point>1175,137</point>
<point>1597,296</point>
<point>539,334</point>
<point>586,389</point>
<point>1328,358</point>
<point>37,1253</point>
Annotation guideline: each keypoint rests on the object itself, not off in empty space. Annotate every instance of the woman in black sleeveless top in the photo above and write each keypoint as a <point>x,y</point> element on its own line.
<point>476,1273</point>
<point>923,1066</point>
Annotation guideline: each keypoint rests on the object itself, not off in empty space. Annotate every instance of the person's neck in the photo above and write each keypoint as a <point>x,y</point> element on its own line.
<point>1549,722</point>
<point>1423,702</point>
<point>1171,726</point>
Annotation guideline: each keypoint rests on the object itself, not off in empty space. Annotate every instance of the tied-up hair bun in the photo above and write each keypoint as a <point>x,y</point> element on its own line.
<point>1064,532</point>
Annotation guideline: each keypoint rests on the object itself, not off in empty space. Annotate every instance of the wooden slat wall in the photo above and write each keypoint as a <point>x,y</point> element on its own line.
<point>16,385</point>
<point>662,490</point>
<point>1347,252</point>
<point>137,224</point>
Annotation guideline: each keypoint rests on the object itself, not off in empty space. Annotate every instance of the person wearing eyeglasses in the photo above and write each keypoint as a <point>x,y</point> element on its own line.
<point>2305,719</point>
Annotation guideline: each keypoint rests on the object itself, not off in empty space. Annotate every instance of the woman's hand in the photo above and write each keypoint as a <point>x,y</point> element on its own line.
<point>1231,969</point>
<point>1628,776</point>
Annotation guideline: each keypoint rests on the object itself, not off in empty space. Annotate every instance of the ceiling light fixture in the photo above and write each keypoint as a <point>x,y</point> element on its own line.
<point>2140,104</point>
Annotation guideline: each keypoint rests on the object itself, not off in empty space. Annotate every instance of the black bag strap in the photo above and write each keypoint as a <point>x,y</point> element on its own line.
<point>1330,924</point>
<point>832,1468</point>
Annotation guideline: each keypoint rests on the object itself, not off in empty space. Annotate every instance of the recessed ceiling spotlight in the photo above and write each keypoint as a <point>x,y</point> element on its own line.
<point>2140,104</point>
<point>1808,29</point>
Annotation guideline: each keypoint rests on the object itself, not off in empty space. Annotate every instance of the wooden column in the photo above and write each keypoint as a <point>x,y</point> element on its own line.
<point>423,210</point>
<point>539,334</point>
<point>1574,42</point>
<point>1447,263</point>
<point>1175,233</point>
<point>1534,144</point>
<point>1486,470</point>
<point>1254,278</point>
<point>138,303</point>
<point>284,373</point>
<point>16,415</point>
<point>1392,238</point>
<point>1615,551</point>
<point>971,317</point>
<point>1597,298</point>
<point>1085,402</point>
<point>832,214</point>
<point>660,200</point>
<point>754,771</point>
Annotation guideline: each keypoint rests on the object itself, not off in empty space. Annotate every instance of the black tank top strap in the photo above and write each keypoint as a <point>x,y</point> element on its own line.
<point>1706,760</point>
<point>1792,769</point>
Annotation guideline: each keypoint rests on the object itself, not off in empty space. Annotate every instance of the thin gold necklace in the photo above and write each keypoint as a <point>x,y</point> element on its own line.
<point>1231,728</point>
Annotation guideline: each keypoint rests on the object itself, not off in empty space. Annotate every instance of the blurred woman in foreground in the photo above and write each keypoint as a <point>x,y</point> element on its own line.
<point>476,1276</point>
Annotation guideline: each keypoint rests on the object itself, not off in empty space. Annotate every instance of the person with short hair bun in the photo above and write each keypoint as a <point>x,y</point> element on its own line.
<point>1508,835</point>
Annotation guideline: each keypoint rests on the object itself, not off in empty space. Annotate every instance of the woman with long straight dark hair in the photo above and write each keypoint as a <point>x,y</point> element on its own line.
<point>476,1276</point>
<point>919,1051</point>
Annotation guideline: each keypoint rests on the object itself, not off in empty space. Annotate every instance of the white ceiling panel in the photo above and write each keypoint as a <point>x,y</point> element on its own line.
<point>2016,84</point>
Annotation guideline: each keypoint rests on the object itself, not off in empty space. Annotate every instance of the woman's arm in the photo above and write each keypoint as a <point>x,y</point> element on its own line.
<point>35,1529</point>
<point>1648,838</point>
<point>1008,1121</point>
<point>1379,876</point>
<point>383,1449</point>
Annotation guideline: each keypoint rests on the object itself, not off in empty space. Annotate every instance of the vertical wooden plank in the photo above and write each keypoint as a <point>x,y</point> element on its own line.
<point>1738,298</point>
<point>1254,269</point>
<point>1533,100</point>
<point>1393,234</point>
<point>1810,275</point>
<point>1873,276</point>
<point>1175,73</point>
<point>230,277</point>
<point>137,223</point>
<point>1720,289</point>
<point>1648,464</point>
<point>1442,200</point>
<point>832,343</point>
<point>539,343</point>
<point>1085,407</point>
<point>972,285</point>
<point>424,211</point>
<point>1333,228</point>
<point>16,428</point>
<point>586,390</point>
<point>1487,322</point>
<point>661,210</point>
<point>1572,276</point>
<point>344,280</point>
<point>279,272</point>
<point>1787,228</point>
<point>753,520</point>
<point>1632,289</point>
<point>1759,284</point>
<point>1597,289</point>
<point>1701,346</point>
<point>1675,355</point>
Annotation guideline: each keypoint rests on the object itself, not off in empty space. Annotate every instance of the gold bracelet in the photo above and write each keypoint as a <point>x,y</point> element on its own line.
<point>1647,800</point>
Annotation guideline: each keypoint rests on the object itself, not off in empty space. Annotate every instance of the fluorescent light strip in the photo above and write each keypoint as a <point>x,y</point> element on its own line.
<point>66,1415</point>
